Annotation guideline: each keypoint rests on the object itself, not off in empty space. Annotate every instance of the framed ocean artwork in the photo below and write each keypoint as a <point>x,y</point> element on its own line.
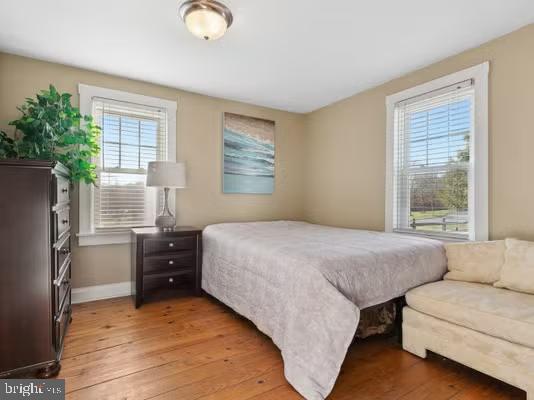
<point>249,151</point>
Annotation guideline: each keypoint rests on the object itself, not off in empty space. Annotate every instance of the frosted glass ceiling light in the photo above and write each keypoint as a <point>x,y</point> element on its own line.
<point>206,19</point>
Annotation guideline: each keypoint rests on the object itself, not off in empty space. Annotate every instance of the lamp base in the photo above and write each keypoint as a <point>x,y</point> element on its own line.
<point>166,222</point>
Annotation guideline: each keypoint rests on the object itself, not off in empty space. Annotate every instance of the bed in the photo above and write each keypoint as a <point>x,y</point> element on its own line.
<point>304,286</point>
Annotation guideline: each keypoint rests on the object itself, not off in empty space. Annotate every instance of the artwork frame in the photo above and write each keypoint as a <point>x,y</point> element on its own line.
<point>248,154</point>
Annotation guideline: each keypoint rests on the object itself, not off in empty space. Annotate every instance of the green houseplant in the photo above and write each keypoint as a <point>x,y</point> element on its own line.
<point>50,128</point>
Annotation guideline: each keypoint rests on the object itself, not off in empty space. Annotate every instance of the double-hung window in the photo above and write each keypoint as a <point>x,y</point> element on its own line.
<point>135,130</point>
<point>437,158</point>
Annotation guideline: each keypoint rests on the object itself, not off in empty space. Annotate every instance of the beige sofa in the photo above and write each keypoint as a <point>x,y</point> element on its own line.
<point>482,314</point>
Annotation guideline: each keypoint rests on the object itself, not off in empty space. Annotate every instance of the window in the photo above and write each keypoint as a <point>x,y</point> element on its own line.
<point>131,137</point>
<point>437,158</point>
<point>135,130</point>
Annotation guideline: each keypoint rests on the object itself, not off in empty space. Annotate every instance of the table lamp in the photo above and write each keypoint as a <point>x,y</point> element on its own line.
<point>166,174</point>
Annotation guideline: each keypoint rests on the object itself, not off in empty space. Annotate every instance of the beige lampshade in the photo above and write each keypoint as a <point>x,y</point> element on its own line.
<point>166,174</point>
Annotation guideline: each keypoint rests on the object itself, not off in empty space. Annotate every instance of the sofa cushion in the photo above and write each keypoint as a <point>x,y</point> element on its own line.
<point>475,261</point>
<point>497,312</point>
<point>518,270</point>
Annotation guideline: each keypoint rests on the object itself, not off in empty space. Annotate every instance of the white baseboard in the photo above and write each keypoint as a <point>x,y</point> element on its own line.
<point>100,292</point>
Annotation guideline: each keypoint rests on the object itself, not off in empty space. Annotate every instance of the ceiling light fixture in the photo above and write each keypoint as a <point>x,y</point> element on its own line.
<point>206,19</point>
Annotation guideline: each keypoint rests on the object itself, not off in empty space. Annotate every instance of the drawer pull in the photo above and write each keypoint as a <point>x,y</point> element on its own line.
<point>171,244</point>
<point>171,280</point>
<point>64,190</point>
<point>64,221</point>
<point>171,262</point>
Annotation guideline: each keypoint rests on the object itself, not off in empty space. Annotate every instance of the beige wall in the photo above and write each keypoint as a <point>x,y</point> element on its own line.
<point>345,156</point>
<point>199,138</point>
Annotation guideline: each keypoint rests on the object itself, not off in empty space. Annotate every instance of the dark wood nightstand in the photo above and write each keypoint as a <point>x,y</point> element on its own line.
<point>166,260</point>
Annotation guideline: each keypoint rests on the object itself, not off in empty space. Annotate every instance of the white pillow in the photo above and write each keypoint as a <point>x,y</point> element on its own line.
<point>479,262</point>
<point>518,270</point>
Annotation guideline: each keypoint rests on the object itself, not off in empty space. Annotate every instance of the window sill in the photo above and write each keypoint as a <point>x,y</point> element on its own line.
<point>103,238</point>
<point>443,237</point>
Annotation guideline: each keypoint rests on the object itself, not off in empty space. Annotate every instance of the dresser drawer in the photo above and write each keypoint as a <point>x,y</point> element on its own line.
<point>62,320</point>
<point>61,222</point>
<point>61,287</point>
<point>62,252</point>
<point>170,280</point>
<point>155,264</point>
<point>169,245</point>
<point>62,190</point>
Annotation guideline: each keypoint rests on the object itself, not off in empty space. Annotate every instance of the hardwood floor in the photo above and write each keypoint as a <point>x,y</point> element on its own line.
<point>195,348</point>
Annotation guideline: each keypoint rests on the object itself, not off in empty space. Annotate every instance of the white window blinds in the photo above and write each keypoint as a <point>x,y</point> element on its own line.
<point>432,168</point>
<point>132,135</point>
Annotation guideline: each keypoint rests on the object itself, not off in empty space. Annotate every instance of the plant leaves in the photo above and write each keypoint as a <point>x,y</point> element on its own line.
<point>52,129</point>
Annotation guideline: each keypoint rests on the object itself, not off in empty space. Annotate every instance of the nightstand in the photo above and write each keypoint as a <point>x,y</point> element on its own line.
<point>169,261</point>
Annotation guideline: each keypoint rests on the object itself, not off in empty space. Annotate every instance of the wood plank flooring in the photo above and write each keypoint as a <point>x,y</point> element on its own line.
<point>196,348</point>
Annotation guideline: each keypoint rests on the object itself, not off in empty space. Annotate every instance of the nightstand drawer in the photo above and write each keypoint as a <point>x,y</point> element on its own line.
<point>169,245</point>
<point>168,280</point>
<point>155,264</point>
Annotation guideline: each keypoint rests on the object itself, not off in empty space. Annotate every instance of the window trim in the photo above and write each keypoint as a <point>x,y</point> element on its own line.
<point>479,153</point>
<point>87,235</point>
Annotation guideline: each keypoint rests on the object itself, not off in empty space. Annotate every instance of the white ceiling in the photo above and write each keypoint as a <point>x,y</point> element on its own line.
<point>295,55</point>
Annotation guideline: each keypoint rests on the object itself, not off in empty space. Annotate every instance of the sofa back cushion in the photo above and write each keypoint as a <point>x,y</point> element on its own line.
<point>479,262</point>
<point>518,269</point>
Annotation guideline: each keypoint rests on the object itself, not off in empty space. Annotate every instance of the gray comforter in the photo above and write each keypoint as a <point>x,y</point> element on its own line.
<point>304,285</point>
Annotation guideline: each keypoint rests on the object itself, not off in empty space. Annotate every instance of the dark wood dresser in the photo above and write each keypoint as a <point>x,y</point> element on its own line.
<point>35,292</point>
<point>166,261</point>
